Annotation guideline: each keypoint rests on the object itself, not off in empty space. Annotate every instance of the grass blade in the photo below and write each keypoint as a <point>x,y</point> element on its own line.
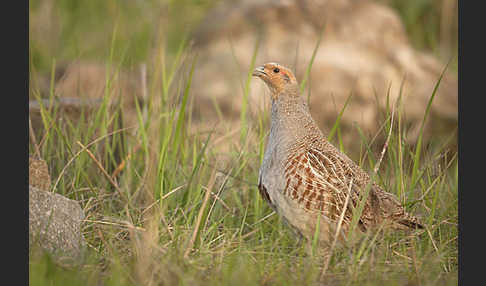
<point>338,119</point>
<point>246,92</point>
<point>418,148</point>
<point>309,66</point>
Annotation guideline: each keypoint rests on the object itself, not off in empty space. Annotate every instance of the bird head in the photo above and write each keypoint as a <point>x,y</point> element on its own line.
<point>277,77</point>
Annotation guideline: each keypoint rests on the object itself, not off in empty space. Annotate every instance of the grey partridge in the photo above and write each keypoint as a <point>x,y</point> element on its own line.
<point>304,177</point>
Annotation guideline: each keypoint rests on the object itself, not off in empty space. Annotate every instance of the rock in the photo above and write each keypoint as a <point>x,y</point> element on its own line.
<point>55,225</point>
<point>39,174</point>
<point>364,50</point>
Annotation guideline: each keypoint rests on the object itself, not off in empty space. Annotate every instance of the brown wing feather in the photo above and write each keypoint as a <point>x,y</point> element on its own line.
<point>319,181</point>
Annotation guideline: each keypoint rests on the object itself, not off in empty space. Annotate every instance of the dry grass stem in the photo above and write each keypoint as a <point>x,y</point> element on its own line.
<point>172,191</point>
<point>200,214</point>
<point>401,255</point>
<point>126,225</point>
<point>105,173</point>
<point>385,146</point>
<point>82,150</point>
<point>338,229</point>
<point>432,240</point>
<point>217,198</point>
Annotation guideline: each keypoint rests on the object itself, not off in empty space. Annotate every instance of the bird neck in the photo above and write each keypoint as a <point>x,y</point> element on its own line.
<point>291,118</point>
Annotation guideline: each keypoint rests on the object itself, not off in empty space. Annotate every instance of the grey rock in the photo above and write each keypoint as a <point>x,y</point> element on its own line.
<point>55,225</point>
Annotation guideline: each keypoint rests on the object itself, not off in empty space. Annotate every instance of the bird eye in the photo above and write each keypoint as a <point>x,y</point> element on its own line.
<point>276,70</point>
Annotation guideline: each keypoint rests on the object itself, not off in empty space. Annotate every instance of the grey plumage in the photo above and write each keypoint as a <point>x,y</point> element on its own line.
<point>303,176</point>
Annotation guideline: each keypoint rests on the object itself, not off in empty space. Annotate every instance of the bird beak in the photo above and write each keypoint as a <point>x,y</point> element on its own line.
<point>259,71</point>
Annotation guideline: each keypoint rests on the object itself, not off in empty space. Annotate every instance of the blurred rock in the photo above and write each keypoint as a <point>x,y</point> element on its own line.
<point>55,225</point>
<point>87,79</point>
<point>364,51</point>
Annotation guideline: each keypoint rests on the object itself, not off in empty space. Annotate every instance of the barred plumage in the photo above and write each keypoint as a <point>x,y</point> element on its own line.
<point>303,176</point>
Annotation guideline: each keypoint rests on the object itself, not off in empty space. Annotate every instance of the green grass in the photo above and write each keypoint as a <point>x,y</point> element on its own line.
<point>174,216</point>
<point>140,226</point>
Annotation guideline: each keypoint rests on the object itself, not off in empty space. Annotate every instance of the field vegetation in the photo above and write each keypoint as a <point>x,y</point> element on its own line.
<point>161,208</point>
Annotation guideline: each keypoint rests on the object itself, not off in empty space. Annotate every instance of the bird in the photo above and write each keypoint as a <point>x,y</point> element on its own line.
<point>310,183</point>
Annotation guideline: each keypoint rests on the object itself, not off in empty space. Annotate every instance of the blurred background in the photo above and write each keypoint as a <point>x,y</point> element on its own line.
<point>367,49</point>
